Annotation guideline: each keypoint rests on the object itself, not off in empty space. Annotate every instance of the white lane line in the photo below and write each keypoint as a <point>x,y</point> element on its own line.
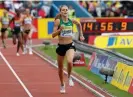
<point>15,74</point>
<point>9,46</point>
<point>79,81</point>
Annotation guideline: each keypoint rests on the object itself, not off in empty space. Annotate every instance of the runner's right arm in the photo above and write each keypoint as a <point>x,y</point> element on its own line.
<point>0,19</point>
<point>0,28</point>
<point>56,31</point>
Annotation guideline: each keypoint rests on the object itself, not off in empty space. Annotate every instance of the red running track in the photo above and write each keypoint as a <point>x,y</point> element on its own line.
<point>9,86</point>
<point>38,76</point>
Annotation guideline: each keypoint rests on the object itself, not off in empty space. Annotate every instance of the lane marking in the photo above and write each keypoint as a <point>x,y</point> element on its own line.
<point>75,78</point>
<point>15,74</point>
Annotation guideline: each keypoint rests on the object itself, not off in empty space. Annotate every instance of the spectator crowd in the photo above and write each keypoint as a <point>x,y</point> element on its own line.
<point>38,9</point>
<point>108,8</point>
<point>98,8</point>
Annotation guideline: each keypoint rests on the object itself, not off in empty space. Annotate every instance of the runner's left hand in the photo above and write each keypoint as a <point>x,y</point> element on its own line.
<point>82,38</point>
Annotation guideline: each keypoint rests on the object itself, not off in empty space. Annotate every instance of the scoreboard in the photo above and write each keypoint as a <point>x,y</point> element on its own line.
<point>104,25</point>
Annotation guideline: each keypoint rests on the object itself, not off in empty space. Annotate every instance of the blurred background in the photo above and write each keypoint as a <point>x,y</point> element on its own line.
<point>77,9</point>
<point>115,16</point>
<point>95,8</point>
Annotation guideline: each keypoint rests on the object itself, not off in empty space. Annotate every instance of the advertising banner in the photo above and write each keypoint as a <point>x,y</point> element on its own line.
<point>99,62</point>
<point>91,39</point>
<point>131,87</point>
<point>111,63</point>
<point>123,76</point>
<point>114,41</point>
<point>118,74</point>
<point>127,84</point>
<point>91,60</point>
<point>44,27</point>
<point>80,62</point>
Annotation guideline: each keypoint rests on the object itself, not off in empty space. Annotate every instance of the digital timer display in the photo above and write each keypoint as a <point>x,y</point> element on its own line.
<point>102,25</point>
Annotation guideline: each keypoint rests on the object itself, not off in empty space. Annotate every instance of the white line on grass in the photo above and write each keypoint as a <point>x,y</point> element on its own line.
<point>79,81</point>
<point>15,74</point>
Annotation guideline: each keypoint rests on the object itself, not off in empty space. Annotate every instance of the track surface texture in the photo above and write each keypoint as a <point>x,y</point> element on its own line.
<point>30,76</point>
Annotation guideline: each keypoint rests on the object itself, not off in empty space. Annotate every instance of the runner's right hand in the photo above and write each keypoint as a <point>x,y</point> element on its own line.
<point>61,28</point>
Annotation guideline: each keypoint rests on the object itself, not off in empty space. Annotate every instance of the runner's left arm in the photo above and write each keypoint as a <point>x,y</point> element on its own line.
<point>80,29</point>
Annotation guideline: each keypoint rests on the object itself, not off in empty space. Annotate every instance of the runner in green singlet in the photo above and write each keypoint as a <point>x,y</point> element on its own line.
<point>63,29</point>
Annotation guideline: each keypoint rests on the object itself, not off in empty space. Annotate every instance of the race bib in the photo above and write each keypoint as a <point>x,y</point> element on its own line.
<point>66,33</point>
<point>6,22</point>
<point>17,23</point>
